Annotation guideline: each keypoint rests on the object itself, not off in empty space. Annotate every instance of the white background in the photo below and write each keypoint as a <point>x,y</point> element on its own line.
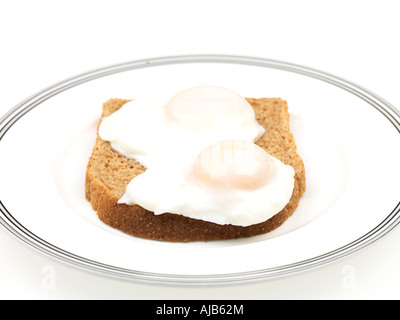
<point>43,42</point>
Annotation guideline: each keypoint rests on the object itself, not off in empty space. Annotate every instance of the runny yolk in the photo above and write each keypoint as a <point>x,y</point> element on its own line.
<point>232,164</point>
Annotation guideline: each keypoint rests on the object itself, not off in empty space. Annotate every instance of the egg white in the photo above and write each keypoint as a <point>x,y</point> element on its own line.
<point>140,130</point>
<point>168,189</point>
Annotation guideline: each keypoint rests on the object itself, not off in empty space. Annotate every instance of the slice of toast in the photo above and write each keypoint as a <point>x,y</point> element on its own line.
<point>108,173</point>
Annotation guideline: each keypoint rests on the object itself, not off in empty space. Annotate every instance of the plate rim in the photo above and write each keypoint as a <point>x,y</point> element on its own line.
<point>30,239</point>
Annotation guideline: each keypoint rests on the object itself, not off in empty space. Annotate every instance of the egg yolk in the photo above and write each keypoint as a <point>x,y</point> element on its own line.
<point>232,164</point>
<point>204,108</point>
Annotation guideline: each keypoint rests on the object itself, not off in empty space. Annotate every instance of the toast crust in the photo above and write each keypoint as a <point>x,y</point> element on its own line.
<point>108,173</point>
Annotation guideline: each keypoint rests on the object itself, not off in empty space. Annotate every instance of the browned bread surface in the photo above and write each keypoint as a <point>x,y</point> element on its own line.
<point>108,173</point>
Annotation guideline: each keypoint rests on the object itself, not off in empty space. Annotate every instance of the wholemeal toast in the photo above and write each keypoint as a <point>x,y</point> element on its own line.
<point>108,173</point>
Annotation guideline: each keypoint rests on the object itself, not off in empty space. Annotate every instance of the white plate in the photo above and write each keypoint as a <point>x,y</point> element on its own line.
<point>347,136</point>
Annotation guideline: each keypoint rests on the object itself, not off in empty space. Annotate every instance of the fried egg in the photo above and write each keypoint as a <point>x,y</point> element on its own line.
<point>201,160</point>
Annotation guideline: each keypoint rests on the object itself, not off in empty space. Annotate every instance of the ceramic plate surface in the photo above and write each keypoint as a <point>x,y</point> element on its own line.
<point>347,136</point>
